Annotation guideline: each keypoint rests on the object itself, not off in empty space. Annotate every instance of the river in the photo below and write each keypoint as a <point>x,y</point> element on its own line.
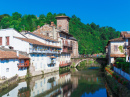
<point>84,83</point>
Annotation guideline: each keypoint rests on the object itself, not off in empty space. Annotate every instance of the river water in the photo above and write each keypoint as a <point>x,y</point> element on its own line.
<point>73,83</point>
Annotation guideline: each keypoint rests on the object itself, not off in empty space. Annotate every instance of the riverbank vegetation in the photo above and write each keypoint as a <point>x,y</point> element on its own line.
<point>117,84</point>
<point>122,64</point>
<point>64,70</point>
<point>91,37</point>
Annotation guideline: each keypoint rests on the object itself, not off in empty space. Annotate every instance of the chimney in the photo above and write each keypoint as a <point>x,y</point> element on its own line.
<point>17,52</point>
<point>52,23</point>
<point>38,27</point>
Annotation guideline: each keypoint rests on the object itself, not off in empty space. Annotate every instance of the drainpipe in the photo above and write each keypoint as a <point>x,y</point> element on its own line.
<point>17,53</point>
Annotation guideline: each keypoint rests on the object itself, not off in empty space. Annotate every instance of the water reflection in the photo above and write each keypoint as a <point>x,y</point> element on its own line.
<point>78,84</point>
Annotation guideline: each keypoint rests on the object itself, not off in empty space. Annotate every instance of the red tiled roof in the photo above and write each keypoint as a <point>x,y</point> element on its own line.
<point>123,33</point>
<point>62,17</point>
<point>127,35</point>
<point>117,55</point>
<point>128,47</point>
<point>43,36</point>
<point>117,39</point>
<point>11,55</point>
<point>33,41</point>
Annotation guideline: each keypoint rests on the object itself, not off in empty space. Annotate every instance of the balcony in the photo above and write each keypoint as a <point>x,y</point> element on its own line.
<point>65,50</point>
<point>20,65</point>
<point>70,44</point>
<point>44,51</point>
<point>70,51</point>
<point>66,43</point>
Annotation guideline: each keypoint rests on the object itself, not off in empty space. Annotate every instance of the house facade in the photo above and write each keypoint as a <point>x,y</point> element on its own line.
<point>42,51</point>
<point>115,49</point>
<point>60,32</point>
<point>119,47</point>
<point>12,63</point>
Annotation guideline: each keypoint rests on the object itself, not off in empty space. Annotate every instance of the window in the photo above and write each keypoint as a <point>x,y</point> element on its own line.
<point>42,56</point>
<point>35,85</point>
<point>115,48</point>
<point>0,40</point>
<point>38,92</point>
<point>33,57</point>
<point>7,69</point>
<point>41,83</point>
<point>7,61</point>
<point>7,40</point>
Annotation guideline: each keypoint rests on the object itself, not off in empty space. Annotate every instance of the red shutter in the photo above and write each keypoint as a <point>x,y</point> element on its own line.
<point>7,40</point>
<point>0,40</point>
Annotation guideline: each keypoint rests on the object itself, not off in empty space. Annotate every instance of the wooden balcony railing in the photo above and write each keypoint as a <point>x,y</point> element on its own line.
<point>22,65</point>
<point>65,50</point>
<point>66,43</point>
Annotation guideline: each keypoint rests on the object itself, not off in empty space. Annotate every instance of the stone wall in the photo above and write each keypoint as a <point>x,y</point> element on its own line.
<point>75,53</point>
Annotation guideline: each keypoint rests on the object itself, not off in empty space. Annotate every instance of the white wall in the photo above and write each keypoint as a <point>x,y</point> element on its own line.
<point>20,45</point>
<point>9,33</point>
<point>118,44</point>
<point>13,68</point>
<point>41,61</point>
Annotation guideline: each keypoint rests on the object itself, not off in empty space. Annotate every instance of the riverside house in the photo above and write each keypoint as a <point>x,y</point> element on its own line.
<point>68,44</point>
<point>12,63</point>
<point>43,55</point>
<point>114,49</point>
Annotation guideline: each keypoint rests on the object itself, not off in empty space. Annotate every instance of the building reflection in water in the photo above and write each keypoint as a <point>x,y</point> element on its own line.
<point>52,85</point>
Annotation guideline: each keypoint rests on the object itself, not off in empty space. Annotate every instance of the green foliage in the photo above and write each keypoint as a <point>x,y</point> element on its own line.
<point>121,49</point>
<point>91,37</point>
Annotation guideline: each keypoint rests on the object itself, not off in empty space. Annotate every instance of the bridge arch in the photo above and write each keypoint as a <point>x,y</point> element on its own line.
<point>79,62</point>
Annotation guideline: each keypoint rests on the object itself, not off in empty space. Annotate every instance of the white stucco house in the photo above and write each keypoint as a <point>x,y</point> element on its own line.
<point>42,50</point>
<point>113,50</point>
<point>12,63</point>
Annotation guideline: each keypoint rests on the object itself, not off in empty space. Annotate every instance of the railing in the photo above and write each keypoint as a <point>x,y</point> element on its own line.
<point>44,51</point>
<point>66,43</point>
<point>70,51</point>
<point>22,65</point>
<point>65,50</point>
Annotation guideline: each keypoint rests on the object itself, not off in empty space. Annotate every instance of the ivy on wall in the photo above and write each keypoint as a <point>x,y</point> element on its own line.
<point>121,49</point>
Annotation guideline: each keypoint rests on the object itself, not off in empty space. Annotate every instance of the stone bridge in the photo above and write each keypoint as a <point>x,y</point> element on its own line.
<point>76,61</point>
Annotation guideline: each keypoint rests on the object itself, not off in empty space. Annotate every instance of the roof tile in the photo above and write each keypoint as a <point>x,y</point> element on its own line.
<point>11,55</point>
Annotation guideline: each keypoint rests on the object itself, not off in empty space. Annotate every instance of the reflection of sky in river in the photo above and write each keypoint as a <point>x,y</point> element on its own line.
<point>100,93</point>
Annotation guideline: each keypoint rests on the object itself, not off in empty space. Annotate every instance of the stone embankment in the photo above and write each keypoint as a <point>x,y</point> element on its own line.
<point>5,83</point>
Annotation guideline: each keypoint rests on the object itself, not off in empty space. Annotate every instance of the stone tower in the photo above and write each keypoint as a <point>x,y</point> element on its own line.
<point>63,23</point>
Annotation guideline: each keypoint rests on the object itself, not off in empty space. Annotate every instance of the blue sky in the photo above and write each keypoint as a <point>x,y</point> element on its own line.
<point>114,13</point>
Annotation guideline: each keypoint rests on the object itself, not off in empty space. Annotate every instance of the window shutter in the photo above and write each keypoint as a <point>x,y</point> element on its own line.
<point>7,40</point>
<point>0,40</point>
